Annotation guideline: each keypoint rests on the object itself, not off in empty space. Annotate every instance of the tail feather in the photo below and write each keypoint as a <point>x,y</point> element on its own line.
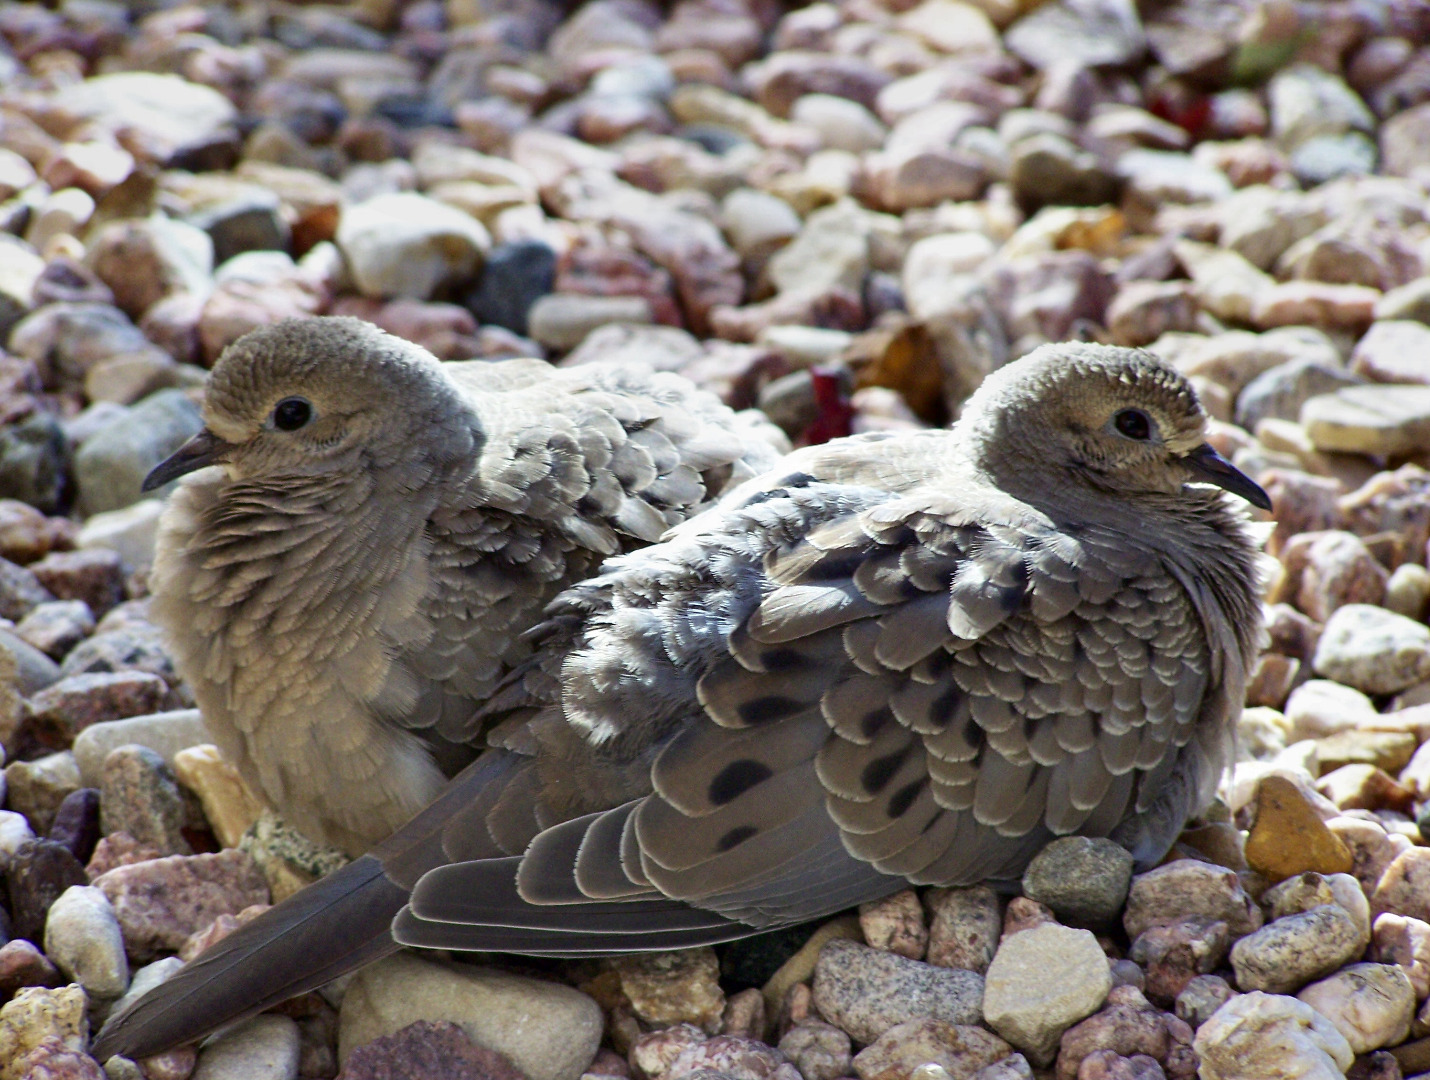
<point>332,927</point>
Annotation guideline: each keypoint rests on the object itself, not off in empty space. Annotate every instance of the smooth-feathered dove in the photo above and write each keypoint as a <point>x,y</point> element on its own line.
<point>354,579</point>
<point>910,658</point>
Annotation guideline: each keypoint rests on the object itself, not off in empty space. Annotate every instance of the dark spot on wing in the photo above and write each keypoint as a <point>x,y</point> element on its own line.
<point>735,837</point>
<point>902,799</point>
<point>945,706</point>
<point>874,722</point>
<point>765,710</point>
<point>880,771</point>
<point>778,660</point>
<point>737,778</point>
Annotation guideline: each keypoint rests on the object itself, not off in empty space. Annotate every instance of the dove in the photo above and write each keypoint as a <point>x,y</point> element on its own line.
<point>354,574</point>
<point>893,659</point>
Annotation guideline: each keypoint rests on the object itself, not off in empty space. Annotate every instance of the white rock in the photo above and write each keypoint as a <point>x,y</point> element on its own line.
<point>407,245</point>
<point>757,221</point>
<point>83,939</point>
<point>549,1031</point>
<point>1041,982</point>
<point>933,261</point>
<point>1370,1004</point>
<point>842,124</point>
<point>144,979</point>
<point>1320,707</point>
<point>158,114</point>
<point>1373,650</point>
<point>264,1048</point>
<point>130,531</point>
<point>1260,1036</point>
<point>14,829</point>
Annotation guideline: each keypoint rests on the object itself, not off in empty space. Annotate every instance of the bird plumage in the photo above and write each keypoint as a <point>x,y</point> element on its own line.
<point>891,659</point>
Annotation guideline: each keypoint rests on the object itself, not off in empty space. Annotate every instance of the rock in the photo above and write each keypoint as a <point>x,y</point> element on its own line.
<point>1143,311</point>
<point>408,245</point>
<point>831,251</point>
<point>895,924</point>
<point>1201,997</point>
<point>257,288</point>
<point>1289,952</point>
<point>1128,1027</point>
<point>56,627</point>
<point>1289,837</point>
<point>51,1057</point>
<point>674,987</point>
<point>20,591</point>
<point>547,1030</point>
<point>1321,707</point>
<point>112,464</point>
<point>1373,650</point>
<point>1282,391</point>
<point>799,968</point>
<point>867,991</point>
<point>424,1049</point>
<point>1369,419</point>
<point>1370,1004</point>
<point>1405,886</point>
<point>728,1055</point>
<point>842,124</point>
<point>58,713</point>
<point>516,275</point>
<point>263,1048</point>
<point>34,461</point>
<point>14,831</point>
<point>251,219</point>
<point>652,1054</point>
<point>563,320</point>
<point>160,902</point>
<point>146,260</point>
<point>1308,102</point>
<point>65,340</point>
<point>957,1049</point>
<point>1041,982</point>
<point>230,806</point>
<point>1405,942</point>
<point>160,115</point>
<point>21,965</point>
<point>1328,307</point>
<point>140,796</point>
<point>82,937</point>
<point>744,1014</point>
<point>1408,590</point>
<point>1261,1036</point>
<point>1225,284</point>
<point>1188,887</point>
<point>1087,33</point>
<point>36,788</point>
<point>1175,954</point>
<point>34,1015</point>
<point>94,576</point>
<point>76,823</point>
<point>129,532</point>
<point>216,931</point>
<point>818,1050</point>
<point>35,876</point>
<point>1085,881</point>
<point>166,732</point>
<point>288,859</point>
<point>1048,169</point>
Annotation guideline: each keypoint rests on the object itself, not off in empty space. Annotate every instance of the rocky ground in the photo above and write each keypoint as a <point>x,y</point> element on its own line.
<point>846,214</point>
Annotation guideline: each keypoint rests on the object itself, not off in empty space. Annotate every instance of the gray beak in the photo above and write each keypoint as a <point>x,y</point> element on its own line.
<point>202,450</point>
<point>1210,466</point>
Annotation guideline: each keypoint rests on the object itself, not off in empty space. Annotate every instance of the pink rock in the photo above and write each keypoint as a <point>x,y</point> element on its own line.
<point>56,714</point>
<point>1331,569</point>
<point>51,1059</point>
<point>1143,311</point>
<point>217,930</point>
<point>1314,303</point>
<point>724,27</point>
<point>1405,941</point>
<point>21,965</point>
<point>1048,295</point>
<point>1129,1025</point>
<point>782,77</point>
<point>161,902</point>
<point>426,1049</point>
<point>896,923</point>
<point>94,575</point>
<point>118,849</point>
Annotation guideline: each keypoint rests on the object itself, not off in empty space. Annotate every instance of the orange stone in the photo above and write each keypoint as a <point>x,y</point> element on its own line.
<point>1289,837</point>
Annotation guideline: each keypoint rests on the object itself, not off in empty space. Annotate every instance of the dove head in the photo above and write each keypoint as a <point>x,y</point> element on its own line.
<point>1073,420</point>
<point>304,397</point>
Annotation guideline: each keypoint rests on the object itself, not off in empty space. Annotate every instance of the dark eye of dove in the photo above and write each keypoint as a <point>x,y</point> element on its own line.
<point>292,413</point>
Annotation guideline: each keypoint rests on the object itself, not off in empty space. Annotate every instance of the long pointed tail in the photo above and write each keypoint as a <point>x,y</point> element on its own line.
<point>333,926</point>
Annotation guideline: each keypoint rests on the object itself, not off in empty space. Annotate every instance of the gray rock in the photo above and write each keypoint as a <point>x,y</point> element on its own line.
<point>517,274</point>
<point>252,221</point>
<point>56,627</point>
<point>1373,650</point>
<point>165,733</point>
<point>139,795</point>
<point>64,340</point>
<point>1202,996</point>
<point>264,1048</point>
<point>563,320</point>
<point>131,532</point>
<point>83,939</point>
<point>1084,881</point>
<point>1281,392</point>
<point>1047,168</point>
<point>1326,157</point>
<point>1307,102</point>
<point>20,591</point>
<point>36,788</point>
<point>34,456</point>
<point>144,979</point>
<point>138,647</point>
<point>1286,954</point>
<point>112,464</point>
<point>33,669</point>
<point>867,991</point>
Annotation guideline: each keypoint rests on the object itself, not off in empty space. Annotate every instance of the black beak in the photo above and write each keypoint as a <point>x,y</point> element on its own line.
<point>202,450</point>
<point>1210,466</point>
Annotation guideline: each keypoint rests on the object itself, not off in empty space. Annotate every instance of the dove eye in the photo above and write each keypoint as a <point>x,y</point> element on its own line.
<point>291,413</point>
<point>1133,423</point>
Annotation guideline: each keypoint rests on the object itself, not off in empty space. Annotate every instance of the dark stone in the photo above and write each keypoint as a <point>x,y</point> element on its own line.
<point>244,224</point>
<point>129,648</point>
<point>34,878</point>
<point>76,823</point>
<point>20,591</point>
<point>93,575</point>
<point>516,276</point>
<point>33,462</point>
